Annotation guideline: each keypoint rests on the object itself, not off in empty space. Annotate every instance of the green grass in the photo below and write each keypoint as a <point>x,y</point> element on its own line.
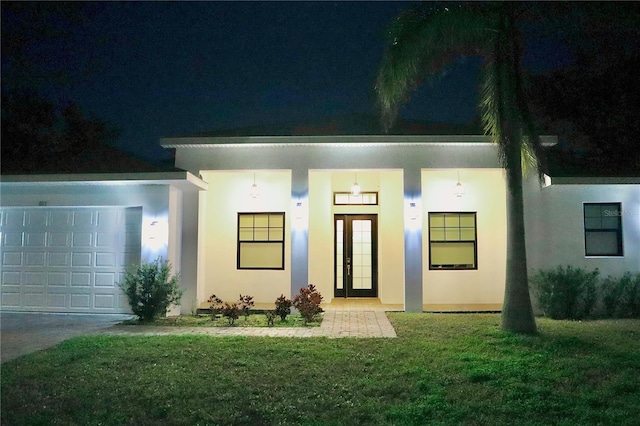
<point>253,320</point>
<point>442,369</point>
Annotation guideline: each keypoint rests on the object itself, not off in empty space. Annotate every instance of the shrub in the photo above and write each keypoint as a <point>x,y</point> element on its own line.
<point>308,302</point>
<point>271,316</point>
<point>566,293</point>
<point>283,307</point>
<point>215,306</point>
<point>150,290</point>
<point>621,296</point>
<point>231,311</point>
<point>246,303</point>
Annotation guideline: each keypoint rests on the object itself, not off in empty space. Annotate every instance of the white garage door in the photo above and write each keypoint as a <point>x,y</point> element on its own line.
<point>67,259</point>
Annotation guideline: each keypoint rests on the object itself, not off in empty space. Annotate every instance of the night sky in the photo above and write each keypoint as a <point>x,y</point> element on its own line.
<point>156,69</point>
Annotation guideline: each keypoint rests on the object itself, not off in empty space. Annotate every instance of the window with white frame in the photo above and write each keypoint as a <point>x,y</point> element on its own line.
<point>602,229</point>
<point>452,241</point>
<point>261,240</point>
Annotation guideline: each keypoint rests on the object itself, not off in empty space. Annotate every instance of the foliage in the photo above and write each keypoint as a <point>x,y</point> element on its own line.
<point>271,316</point>
<point>307,302</point>
<point>245,303</point>
<point>231,311</point>
<point>150,289</point>
<point>36,137</point>
<point>442,369</point>
<point>283,307</point>
<point>566,293</point>
<point>215,307</point>
<point>621,296</point>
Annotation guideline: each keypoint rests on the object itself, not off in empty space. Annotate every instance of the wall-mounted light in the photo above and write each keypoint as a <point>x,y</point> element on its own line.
<point>458,190</point>
<point>355,188</point>
<point>254,192</point>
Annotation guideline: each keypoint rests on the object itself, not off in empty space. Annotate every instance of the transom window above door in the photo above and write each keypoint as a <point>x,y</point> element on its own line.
<point>363,198</point>
<point>452,241</point>
<point>261,240</point>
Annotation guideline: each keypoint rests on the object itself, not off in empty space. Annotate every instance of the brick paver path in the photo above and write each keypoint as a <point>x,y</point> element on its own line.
<point>337,322</point>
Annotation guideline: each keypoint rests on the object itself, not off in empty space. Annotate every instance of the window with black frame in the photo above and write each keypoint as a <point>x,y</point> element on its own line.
<point>260,241</point>
<point>453,240</point>
<point>602,229</point>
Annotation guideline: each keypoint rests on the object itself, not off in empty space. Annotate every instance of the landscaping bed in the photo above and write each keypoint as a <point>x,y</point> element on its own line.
<point>257,319</point>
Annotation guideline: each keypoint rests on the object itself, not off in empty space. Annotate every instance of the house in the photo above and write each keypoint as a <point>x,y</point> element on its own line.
<point>416,221</point>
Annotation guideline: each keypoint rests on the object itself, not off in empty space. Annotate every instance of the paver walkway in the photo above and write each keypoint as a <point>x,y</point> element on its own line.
<point>342,319</point>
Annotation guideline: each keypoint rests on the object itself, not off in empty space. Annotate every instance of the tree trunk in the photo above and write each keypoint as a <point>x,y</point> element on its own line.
<point>517,314</point>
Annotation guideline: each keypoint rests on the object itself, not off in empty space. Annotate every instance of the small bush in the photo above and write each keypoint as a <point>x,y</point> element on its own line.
<point>150,289</point>
<point>308,302</point>
<point>283,307</point>
<point>566,293</point>
<point>621,296</point>
<point>271,316</point>
<point>246,303</point>
<point>231,311</point>
<point>215,307</point>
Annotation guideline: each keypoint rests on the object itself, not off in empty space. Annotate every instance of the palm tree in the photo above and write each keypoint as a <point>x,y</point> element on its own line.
<point>421,43</point>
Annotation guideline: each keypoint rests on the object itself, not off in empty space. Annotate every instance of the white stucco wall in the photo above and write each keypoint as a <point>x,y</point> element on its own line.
<point>227,195</point>
<point>555,226</point>
<point>481,289</point>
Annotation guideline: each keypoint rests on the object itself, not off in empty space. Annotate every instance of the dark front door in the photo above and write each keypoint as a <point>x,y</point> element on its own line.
<point>356,255</point>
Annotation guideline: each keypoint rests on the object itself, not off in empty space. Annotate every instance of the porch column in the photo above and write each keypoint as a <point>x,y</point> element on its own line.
<point>412,240</point>
<point>299,229</point>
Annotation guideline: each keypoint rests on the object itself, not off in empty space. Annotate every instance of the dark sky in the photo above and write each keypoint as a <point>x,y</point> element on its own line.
<point>156,69</point>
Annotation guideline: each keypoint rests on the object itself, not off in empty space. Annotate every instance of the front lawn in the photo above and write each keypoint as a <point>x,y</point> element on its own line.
<point>442,369</point>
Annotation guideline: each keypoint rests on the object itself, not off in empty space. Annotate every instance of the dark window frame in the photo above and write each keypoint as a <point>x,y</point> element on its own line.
<point>617,207</point>
<point>453,267</point>
<point>240,242</point>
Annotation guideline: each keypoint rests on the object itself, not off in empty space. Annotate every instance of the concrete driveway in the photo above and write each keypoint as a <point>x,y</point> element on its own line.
<point>23,333</point>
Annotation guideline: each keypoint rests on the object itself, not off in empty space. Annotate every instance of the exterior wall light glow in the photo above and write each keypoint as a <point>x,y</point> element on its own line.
<point>254,192</point>
<point>355,188</point>
<point>458,190</point>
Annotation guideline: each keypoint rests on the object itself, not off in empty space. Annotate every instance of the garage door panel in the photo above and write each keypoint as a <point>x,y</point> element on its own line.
<point>58,279</point>
<point>106,259</point>
<point>34,279</point>
<point>35,258</point>
<point>82,219</point>
<point>59,239</point>
<point>11,258</point>
<point>58,259</point>
<point>82,239</point>
<point>81,259</point>
<point>11,278</point>
<point>36,218</point>
<point>104,301</point>
<point>61,218</point>
<point>10,298</point>
<point>13,219</point>
<point>67,259</point>
<point>105,279</point>
<point>80,301</point>
<point>57,300</point>
<point>35,239</point>
<point>12,239</point>
<point>33,299</point>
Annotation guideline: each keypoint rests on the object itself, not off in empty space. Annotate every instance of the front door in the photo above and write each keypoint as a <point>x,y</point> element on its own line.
<point>356,255</point>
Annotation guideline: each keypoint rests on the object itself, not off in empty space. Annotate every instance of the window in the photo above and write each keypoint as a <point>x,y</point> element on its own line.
<point>452,241</point>
<point>347,198</point>
<point>602,229</point>
<point>260,240</point>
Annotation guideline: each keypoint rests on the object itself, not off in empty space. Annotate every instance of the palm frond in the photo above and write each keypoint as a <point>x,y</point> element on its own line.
<point>421,43</point>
